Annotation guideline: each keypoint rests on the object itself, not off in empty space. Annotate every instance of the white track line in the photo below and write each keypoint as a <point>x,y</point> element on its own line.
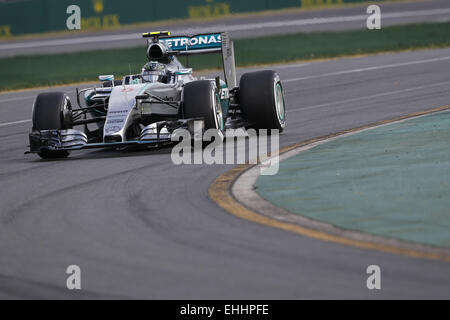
<point>15,99</point>
<point>290,66</point>
<point>218,28</point>
<point>14,122</point>
<point>395,65</point>
<point>313,21</point>
<point>370,97</point>
<point>25,98</point>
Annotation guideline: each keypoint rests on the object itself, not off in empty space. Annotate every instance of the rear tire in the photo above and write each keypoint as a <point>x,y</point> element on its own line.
<point>51,112</point>
<point>201,100</point>
<point>262,100</point>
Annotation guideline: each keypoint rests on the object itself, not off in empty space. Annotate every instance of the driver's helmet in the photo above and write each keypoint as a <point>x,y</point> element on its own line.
<point>153,71</point>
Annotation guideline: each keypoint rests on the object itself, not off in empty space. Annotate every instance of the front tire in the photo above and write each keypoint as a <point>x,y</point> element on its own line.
<point>201,100</point>
<point>52,111</point>
<point>262,100</point>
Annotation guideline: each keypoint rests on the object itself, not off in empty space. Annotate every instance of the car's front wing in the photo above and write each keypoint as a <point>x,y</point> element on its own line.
<point>156,134</point>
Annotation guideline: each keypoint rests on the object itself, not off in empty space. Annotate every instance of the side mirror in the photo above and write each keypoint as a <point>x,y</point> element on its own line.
<point>142,96</point>
<point>104,78</point>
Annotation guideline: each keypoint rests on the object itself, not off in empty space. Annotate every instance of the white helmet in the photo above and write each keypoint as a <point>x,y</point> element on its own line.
<point>153,72</point>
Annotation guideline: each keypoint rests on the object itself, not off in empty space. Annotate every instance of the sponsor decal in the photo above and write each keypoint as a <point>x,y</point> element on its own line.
<point>98,6</point>
<point>127,89</point>
<point>118,112</point>
<point>224,93</point>
<point>99,22</point>
<point>112,129</point>
<point>210,10</point>
<point>319,3</point>
<point>112,121</point>
<point>204,41</point>
<point>5,31</point>
<point>166,98</point>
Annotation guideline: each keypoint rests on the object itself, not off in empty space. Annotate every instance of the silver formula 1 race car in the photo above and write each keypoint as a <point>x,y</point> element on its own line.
<point>149,108</point>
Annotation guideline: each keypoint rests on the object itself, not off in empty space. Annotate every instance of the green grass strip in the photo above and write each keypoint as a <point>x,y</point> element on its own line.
<point>43,70</point>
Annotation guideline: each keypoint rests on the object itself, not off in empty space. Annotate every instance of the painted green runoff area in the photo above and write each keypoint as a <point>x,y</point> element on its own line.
<point>392,181</point>
<point>44,70</point>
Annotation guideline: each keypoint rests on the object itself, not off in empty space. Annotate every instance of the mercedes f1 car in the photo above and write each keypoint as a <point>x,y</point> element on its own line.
<point>147,109</point>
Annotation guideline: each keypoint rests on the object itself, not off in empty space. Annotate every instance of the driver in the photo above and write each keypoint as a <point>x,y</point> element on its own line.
<point>154,71</point>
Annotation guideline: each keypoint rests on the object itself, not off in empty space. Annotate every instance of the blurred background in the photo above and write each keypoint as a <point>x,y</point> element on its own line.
<point>34,36</point>
<point>20,17</point>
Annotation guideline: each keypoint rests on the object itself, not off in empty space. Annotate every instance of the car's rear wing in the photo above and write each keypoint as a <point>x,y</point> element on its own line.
<point>200,44</point>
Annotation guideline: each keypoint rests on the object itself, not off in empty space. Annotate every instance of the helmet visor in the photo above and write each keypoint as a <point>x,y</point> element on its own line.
<point>152,76</point>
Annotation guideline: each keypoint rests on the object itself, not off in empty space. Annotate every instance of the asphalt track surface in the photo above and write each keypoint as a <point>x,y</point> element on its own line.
<point>333,19</point>
<point>141,227</point>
